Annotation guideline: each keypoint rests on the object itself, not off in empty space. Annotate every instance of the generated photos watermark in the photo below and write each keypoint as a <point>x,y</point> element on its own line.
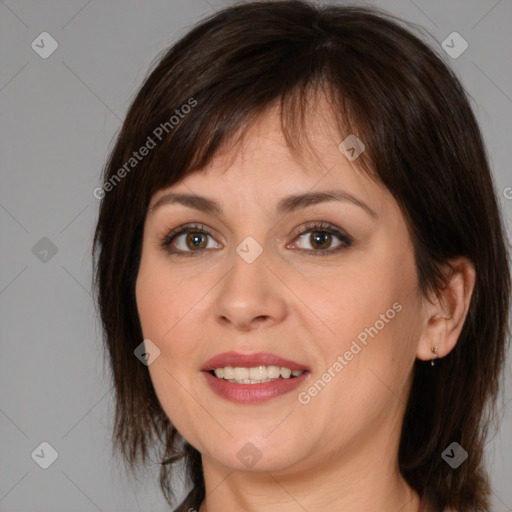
<point>151,142</point>
<point>304,397</point>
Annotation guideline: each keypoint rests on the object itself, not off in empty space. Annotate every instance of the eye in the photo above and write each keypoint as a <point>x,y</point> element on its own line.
<point>190,240</point>
<point>320,238</point>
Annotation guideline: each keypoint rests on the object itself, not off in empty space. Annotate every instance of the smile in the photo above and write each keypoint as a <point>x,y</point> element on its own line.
<point>255,375</point>
<point>248,391</point>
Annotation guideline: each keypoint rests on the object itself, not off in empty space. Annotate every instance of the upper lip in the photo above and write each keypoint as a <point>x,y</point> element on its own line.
<point>250,361</point>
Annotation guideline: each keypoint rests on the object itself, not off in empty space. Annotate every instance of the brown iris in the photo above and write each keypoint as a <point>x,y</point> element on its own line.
<point>194,238</point>
<point>321,239</point>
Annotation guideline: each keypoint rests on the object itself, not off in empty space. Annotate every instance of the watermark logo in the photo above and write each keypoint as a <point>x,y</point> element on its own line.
<point>44,455</point>
<point>249,249</point>
<point>454,455</point>
<point>44,250</point>
<point>454,45</point>
<point>352,147</point>
<point>147,352</point>
<point>44,45</point>
<point>249,455</point>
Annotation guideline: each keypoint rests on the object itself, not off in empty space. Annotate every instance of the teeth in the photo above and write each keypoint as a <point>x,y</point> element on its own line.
<point>240,373</point>
<point>228,372</point>
<point>273,372</point>
<point>257,374</point>
<point>285,372</point>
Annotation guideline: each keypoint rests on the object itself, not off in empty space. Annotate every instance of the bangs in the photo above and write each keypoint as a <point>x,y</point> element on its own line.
<point>304,108</point>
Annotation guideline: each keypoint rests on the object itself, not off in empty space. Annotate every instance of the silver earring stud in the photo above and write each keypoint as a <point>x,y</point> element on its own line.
<point>434,351</point>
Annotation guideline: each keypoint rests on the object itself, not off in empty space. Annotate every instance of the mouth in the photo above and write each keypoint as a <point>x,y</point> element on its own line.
<point>247,391</point>
<point>252,378</point>
<point>256,375</point>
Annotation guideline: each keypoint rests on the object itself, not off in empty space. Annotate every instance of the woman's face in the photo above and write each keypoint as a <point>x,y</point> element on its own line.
<point>340,300</point>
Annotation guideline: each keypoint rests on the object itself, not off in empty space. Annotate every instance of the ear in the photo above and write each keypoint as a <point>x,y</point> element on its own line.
<point>444,316</point>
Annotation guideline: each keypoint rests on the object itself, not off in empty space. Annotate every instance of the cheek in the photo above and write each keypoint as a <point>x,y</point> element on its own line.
<point>371,307</point>
<point>372,293</point>
<point>165,307</point>
<point>163,297</point>
<point>152,301</point>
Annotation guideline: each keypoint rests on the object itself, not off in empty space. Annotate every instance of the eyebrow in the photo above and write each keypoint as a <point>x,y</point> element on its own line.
<point>286,205</point>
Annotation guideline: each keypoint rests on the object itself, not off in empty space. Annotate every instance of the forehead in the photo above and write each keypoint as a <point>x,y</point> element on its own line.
<point>264,168</point>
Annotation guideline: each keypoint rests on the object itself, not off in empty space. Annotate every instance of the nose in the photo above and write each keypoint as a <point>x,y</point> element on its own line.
<point>250,295</point>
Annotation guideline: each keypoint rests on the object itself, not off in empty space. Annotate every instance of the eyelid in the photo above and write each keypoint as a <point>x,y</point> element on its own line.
<point>189,226</point>
<point>319,225</point>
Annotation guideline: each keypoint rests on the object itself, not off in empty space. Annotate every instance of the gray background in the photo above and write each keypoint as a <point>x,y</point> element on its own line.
<point>58,119</point>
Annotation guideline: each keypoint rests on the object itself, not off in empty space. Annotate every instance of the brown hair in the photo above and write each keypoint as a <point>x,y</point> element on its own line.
<point>422,142</point>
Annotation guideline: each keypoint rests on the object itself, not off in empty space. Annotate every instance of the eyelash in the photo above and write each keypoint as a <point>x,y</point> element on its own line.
<point>321,227</point>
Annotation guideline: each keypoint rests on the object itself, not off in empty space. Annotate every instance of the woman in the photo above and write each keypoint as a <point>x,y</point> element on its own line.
<point>301,268</point>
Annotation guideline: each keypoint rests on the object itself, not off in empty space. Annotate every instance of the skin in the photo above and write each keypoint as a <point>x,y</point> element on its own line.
<point>339,451</point>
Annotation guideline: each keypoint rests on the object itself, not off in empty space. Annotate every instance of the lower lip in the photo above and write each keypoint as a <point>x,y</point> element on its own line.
<point>253,393</point>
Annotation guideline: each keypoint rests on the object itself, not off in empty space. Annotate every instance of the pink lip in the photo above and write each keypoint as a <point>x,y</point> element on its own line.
<point>250,361</point>
<point>252,393</point>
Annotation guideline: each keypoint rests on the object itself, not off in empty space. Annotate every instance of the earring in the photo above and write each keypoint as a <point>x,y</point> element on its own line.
<point>434,351</point>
